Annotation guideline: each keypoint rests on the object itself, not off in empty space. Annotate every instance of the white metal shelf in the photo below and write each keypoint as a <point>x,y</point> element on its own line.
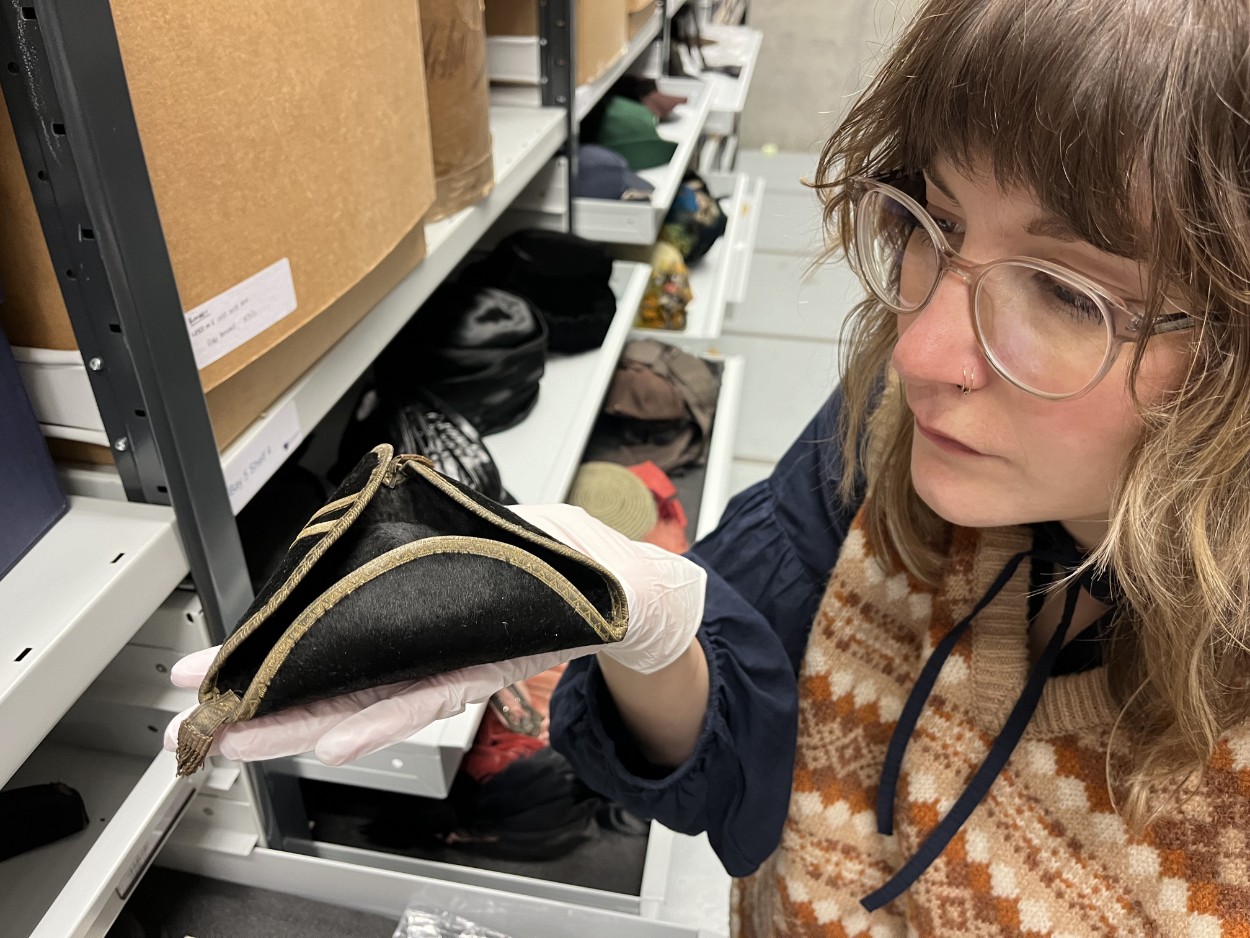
<point>388,892</point>
<point>60,393</point>
<point>71,604</point>
<point>538,458</point>
<point>714,278</point>
<point>425,764</point>
<point>716,477</point>
<point>618,222</point>
<point>656,868</point>
<point>742,246</point>
<point>524,140</point>
<point>76,886</point>
<point>734,45</point>
<point>515,59</point>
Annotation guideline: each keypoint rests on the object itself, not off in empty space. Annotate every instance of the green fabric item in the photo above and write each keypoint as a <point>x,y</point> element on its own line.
<point>628,127</point>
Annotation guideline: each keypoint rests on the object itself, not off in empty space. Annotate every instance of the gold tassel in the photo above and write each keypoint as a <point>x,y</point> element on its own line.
<point>195,735</point>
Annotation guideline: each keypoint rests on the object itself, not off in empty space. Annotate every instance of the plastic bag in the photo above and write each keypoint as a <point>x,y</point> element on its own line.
<point>422,923</point>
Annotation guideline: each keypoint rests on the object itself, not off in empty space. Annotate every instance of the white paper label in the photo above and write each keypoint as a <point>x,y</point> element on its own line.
<point>229,319</point>
<point>255,462</point>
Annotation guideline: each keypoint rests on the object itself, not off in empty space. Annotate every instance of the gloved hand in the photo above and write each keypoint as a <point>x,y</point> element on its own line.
<point>664,593</point>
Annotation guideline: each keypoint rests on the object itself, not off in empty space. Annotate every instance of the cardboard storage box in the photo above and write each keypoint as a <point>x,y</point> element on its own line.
<point>640,13</point>
<point>454,38</point>
<point>289,150</point>
<point>602,30</point>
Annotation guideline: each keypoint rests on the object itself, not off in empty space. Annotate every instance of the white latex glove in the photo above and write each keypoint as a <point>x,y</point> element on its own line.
<point>664,593</point>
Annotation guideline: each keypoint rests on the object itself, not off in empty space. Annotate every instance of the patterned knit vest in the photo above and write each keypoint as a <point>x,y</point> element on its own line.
<point>1044,854</point>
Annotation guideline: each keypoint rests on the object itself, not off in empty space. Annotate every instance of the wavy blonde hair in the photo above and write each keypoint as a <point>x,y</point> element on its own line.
<point>1128,118</point>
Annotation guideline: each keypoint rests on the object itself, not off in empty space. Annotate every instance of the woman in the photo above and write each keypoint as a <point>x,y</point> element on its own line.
<point>974,659</point>
<point>975,754</point>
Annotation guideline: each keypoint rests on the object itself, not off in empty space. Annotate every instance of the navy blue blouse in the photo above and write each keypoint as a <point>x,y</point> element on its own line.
<point>768,564</point>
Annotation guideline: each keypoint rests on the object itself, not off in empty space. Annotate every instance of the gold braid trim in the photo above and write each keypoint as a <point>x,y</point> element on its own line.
<point>195,735</point>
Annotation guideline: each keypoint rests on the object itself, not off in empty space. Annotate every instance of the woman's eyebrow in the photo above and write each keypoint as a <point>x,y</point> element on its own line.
<point>933,177</point>
<point>1044,226</point>
<point>1054,227</point>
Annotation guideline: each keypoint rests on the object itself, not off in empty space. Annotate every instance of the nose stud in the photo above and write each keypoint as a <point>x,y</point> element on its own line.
<point>970,375</point>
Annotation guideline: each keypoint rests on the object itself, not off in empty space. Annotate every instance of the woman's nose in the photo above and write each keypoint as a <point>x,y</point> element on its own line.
<point>937,344</point>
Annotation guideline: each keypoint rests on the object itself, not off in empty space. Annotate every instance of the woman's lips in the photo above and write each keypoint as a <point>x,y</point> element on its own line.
<point>946,443</point>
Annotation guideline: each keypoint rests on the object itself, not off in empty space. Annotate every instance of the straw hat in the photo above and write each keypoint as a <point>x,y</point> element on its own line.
<point>617,497</point>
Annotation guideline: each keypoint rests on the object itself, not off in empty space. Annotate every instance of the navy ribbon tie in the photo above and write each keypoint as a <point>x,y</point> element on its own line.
<point>1000,750</point>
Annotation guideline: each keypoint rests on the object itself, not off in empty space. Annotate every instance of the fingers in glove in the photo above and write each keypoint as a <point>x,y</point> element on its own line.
<point>288,733</point>
<point>436,698</point>
<point>189,671</point>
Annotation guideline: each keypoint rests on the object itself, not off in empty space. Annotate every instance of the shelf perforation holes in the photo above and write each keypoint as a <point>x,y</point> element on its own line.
<point>25,652</point>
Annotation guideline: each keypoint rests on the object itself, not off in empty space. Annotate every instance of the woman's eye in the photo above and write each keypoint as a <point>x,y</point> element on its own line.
<point>952,228</point>
<point>1073,302</point>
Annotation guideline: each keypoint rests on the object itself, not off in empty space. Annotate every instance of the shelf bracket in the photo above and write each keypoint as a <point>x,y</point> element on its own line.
<point>557,59</point>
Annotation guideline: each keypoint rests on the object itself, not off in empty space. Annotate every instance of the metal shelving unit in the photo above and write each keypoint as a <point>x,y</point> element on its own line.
<point>568,402</point>
<point>61,890</point>
<point>716,481</point>
<point>720,277</point>
<point>67,93</point>
<point>617,222</point>
<point>71,603</point>
<point>525,139</point>
<point>739,46</point>
<point>516,59</point>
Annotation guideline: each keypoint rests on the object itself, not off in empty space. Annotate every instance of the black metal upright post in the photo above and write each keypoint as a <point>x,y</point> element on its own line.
<point>66,91</point>
<point>65,87</point>
<point>557,48</point>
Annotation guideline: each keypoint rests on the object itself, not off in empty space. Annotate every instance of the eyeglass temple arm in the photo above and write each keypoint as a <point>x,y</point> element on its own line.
<point>1171,322</point>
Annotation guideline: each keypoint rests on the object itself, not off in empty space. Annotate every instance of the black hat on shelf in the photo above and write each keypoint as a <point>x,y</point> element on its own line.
<point>480,349</point>
<point>566,278</point>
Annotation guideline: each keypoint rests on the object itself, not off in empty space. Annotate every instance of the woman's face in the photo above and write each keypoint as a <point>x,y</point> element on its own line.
<point>998,455</point>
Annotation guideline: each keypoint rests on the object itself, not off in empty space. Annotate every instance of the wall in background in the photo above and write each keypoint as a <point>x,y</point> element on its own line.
<point>817,55</point>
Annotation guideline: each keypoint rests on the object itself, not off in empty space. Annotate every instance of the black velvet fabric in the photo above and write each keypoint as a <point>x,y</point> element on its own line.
<point>566,277</point>
<point>38,814</point>
<point>424,615</point>
<point>353,482</point>
<point>481,349</point>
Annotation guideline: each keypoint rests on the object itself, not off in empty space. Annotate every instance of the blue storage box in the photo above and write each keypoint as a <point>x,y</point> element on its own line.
<point>31,501</point>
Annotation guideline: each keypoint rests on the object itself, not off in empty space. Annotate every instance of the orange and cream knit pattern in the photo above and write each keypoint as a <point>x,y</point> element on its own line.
<point>1044,853</point>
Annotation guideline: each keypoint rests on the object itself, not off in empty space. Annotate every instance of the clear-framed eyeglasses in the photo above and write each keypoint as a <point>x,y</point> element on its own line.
<point>1048,330</point>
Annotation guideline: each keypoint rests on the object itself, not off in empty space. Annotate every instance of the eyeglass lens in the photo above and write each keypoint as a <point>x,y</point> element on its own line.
<point>1039,328</point>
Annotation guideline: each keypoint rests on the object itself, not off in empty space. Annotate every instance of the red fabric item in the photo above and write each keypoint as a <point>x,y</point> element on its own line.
<point>670,531</point>
<point>496,747</point>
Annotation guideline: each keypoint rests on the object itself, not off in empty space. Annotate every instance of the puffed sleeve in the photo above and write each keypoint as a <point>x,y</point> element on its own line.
<point>767,564</point>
